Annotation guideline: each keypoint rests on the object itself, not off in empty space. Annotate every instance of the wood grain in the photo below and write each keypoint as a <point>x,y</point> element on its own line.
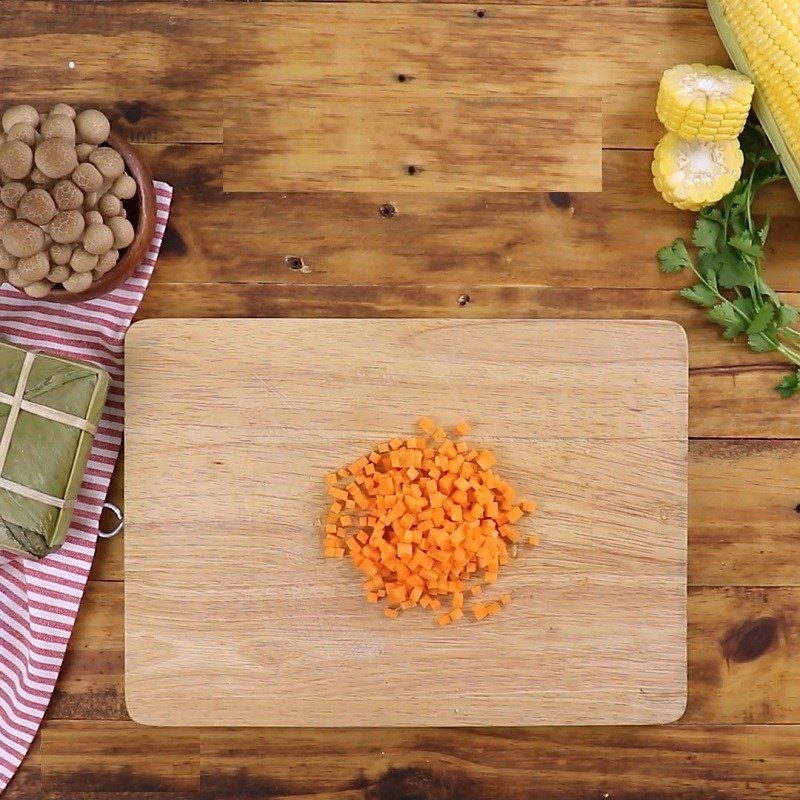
<point>145,60</point>
<point>742,666</point>
<point>606,239</point>
<point>103,761</point>
<point>442,144</point>
<point>238,476</point>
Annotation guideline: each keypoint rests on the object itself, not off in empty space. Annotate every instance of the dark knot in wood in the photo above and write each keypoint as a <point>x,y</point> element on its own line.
<point>750,640</point>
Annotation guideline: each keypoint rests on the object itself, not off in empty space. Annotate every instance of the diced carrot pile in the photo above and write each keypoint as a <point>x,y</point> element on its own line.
<point>428,520</point>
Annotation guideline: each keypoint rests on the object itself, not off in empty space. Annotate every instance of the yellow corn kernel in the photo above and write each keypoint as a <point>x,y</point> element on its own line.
<point>692,174</point>
<point>706,103</point>
<point>763,40</point>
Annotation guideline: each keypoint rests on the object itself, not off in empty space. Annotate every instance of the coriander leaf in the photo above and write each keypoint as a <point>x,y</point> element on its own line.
<point>706,234</point>
<point>725,314</point>
<point>674,258</point>
<point>763,231</point>
<point>745,305</point>
<point>700,294</point>
<point>789,385</point>
<point>734,271</point>
<point>712,213</point>
<point>744,244</point>
<point>759,343</point>
<point>762,319</point>
<point>787,315</point>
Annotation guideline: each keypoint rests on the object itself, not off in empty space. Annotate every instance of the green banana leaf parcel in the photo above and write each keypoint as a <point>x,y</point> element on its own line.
<point>46,456</point>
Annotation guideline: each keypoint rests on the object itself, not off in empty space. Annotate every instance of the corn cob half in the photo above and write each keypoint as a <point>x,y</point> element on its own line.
<point>692,174</point>
<point>706,103</point>
<point>762,38</point>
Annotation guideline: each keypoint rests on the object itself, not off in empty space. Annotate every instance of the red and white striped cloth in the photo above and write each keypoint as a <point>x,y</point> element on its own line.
<point>39,599</point>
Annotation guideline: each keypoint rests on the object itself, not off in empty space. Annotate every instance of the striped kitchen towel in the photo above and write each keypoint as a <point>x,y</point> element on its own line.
<point>39,599</point>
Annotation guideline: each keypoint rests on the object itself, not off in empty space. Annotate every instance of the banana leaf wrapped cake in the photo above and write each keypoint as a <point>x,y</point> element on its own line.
<point>49,411</point>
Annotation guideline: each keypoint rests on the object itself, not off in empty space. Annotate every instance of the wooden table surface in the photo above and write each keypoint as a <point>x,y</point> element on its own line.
<point>354,244</point>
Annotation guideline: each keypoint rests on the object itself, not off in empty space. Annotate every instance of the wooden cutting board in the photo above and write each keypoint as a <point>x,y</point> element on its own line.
<point>234,618</point>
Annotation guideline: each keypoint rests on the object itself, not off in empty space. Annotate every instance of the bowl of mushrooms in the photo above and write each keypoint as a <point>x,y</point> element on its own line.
<point>77,208</point>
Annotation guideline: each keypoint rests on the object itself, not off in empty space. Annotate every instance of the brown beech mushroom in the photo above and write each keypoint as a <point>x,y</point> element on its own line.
<point>83,151</point>
<point>16,159</point>
<point>109,205</point>
<point>124,187</point>
<point>87,177</point>
<point>93,217</point>
<point>122,230</point>
<point>23,239</point>
<point>59,273</point>
<point>108,161</point>
<point>40,179</point>
<point>92,126</point>
<point>82,260</point>
<point>63,109</point>
<point>16,114</point>
<point>90,200</point>
<point>60,254</point>
<point>38,290</point>
<point>6,216</point>
<point>67,196</point>
<point>7,261</point>
<point>22,132</point>
<point>56,158</point>
<point>107,261</point>
<point>34,268</point>
<point>12,193</point>
<point>17,280</point>
<point>78,282</point>
<point>67,227</point>
<point>57,126</point>
<point>98,239</point>
<point>37,206</point>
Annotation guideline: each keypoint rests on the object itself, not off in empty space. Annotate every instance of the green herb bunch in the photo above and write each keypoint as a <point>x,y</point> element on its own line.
<point>728,263</point>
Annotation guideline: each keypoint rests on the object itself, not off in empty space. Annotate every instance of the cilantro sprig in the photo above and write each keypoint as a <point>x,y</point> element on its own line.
<point>727,263</point>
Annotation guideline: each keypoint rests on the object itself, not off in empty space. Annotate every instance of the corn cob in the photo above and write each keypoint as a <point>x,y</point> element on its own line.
<point>692,174</point>
<point>706,103</point>
<point>762,38</point>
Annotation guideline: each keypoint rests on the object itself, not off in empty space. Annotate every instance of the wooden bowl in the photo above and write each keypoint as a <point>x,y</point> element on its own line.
<point>144,223</point>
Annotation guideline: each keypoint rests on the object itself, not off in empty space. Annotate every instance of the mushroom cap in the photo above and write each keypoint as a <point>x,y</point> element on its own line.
<point>20,113</point>
<point>37,206</point>
<point>39,289</point>
<point>16,159</point>
<point>87,177</point>
<point>22,239</point>
<point>124,187</point>
<point>58,126</point>
<point>92,126</point>
<point>122,230</point>
<point>40,179</point>
<point>12,193</point>
<point>67,195</point>
<point>108,161</point>
<point>17,280</point>
<point>109,205</point>
<point>98,239</point>
<point>82,260</point>
<point>90,200</point>
<point>60,254</point>
<point>64,109</point>
<point>93,217</point>
<point>34,268</point>
<point>56,157</point>
<point>7,261</point>
<point>6,216</point>
<point>59,273</point>
<point>83,151</point>
<point>22,132</point>
<point>78,282</point>
<point>67,227</point>
<point>107,261</point>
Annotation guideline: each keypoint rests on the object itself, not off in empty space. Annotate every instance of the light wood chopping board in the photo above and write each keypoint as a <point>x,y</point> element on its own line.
<point>234,618</point>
